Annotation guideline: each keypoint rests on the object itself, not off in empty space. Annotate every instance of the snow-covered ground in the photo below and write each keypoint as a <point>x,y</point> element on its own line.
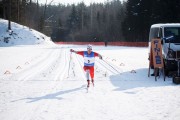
<point>47,82</point>
<point>20,35</point>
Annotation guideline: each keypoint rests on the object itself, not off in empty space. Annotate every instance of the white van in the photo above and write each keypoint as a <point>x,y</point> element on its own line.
<point>170,36</point>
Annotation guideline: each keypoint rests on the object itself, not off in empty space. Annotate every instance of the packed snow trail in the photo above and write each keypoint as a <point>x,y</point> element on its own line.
<point>50,85</point>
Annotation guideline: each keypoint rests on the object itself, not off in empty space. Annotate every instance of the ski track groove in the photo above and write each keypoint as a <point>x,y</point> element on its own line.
<point>18,80</point>
<point>43,106</point>
<point>18,84</point>
<point>36,112</point>
<point>80,62</point>
<point>42,66</point>
<point>28,71</point>
<point>71,66</point>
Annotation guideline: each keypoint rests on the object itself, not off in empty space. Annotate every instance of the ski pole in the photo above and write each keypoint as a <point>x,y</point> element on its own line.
<point>111,66</point>
<point>81,66</point>
<point>69,64</point>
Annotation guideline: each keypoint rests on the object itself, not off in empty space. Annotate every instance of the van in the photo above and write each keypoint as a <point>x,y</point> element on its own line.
<point>170,40</point>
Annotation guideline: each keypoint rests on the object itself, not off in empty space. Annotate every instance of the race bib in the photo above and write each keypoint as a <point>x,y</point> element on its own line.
<point>89,59</point>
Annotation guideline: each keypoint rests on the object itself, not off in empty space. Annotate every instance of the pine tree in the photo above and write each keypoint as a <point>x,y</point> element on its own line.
<point>72,22</point>
<point>73,19</point>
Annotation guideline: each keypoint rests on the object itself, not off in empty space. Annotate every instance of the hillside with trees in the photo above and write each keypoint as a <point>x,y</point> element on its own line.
<point>110,21</point>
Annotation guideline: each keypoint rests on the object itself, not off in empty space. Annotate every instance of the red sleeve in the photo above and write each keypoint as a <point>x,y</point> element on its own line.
<point>96,54</point>
<point>80,53</point>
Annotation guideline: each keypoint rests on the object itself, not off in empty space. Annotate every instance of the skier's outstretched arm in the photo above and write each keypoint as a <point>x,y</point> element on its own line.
<point>71,50</point>
<point>98,55</point>
<point>77,52</point>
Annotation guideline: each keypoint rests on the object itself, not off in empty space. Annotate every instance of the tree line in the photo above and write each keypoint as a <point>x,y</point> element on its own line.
<point>110,21</point>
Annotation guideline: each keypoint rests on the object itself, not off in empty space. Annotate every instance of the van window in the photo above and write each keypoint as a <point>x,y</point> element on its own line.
<point>153,33</point>
<point>173,31</point>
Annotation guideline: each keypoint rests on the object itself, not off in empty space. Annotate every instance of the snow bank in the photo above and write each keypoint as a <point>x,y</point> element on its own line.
<point>20,35</point>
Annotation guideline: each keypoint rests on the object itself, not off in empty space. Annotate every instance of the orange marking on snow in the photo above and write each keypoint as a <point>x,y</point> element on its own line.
<point>18,67</point>
<point>7,72</point>
<point>122,64</point>
<point>133,71</point>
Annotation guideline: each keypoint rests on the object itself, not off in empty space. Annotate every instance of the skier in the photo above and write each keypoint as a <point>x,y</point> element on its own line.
<point>89,60</point>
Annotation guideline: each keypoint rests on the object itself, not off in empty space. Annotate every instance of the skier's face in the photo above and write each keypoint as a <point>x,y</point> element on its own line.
<point>89,50</point>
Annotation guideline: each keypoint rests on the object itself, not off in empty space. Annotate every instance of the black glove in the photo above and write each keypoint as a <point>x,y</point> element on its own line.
<point>100,57</point>
<point>71,50</point>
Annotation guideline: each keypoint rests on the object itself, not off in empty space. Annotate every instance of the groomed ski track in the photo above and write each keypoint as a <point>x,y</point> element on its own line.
<point>38,87</point>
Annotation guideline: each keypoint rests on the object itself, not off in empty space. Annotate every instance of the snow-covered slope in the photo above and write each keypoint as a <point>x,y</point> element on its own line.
<point>20,35</point>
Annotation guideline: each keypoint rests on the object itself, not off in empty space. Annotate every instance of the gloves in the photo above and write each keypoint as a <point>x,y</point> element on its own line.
<point>100,57</point>
<point>71,50</point>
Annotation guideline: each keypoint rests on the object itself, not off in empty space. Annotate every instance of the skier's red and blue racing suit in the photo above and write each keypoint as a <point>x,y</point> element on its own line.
<point>89,60</point>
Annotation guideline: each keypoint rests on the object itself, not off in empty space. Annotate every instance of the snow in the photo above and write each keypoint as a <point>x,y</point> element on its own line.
<point>20,35</point>
<point>47,82</point>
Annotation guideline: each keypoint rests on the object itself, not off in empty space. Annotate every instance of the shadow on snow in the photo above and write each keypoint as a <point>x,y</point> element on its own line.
<point>51,95</point>
<point>128,80</point>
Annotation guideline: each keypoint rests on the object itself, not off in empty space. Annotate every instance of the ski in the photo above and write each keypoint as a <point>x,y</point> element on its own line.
<point>89,89</point>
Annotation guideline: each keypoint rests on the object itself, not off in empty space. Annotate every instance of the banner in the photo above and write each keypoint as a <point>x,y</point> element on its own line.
<point>156,51</point>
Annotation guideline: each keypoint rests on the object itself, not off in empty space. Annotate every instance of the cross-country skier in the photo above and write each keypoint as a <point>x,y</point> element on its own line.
<point>89,60</point>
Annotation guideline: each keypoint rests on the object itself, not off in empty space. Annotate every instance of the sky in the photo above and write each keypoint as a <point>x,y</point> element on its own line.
<point>87,2</point>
